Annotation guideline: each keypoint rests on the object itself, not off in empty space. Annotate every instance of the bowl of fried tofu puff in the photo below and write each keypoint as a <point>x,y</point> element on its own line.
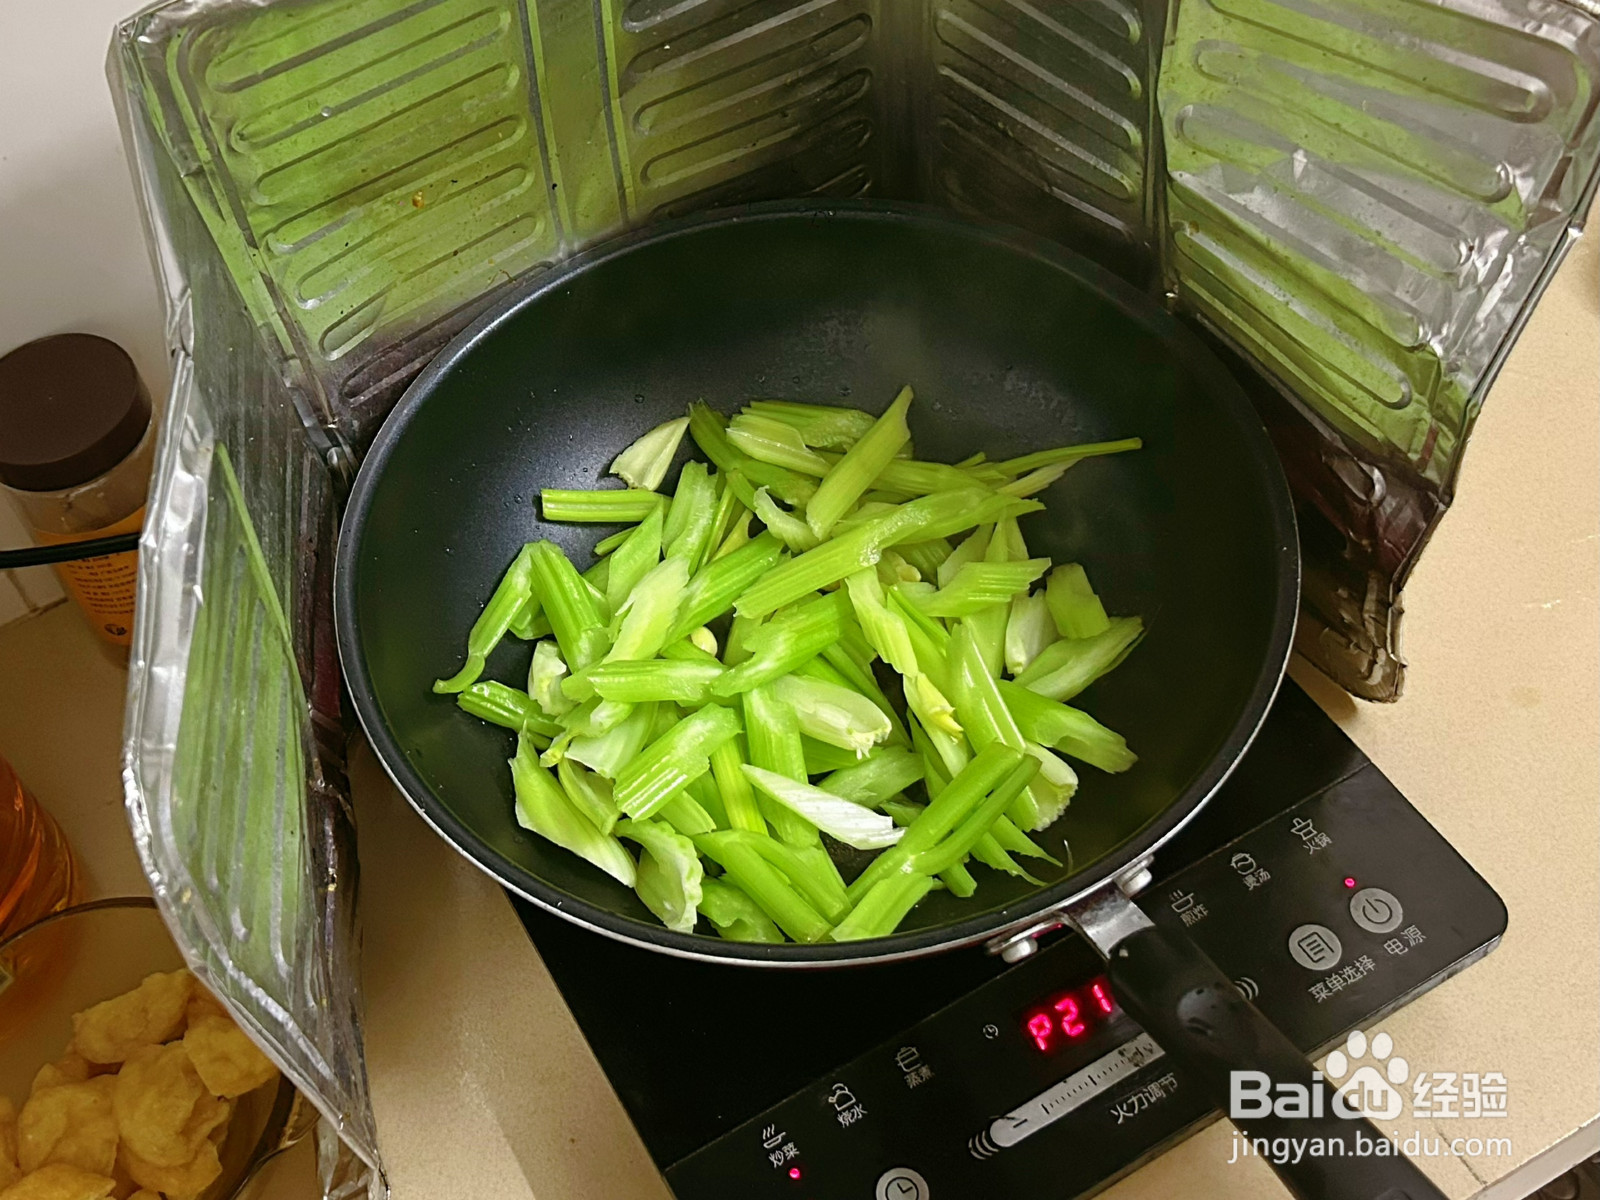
<point>121,1074</point>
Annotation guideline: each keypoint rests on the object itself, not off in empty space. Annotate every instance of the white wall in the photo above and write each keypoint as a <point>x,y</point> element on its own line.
<point>72,254</point>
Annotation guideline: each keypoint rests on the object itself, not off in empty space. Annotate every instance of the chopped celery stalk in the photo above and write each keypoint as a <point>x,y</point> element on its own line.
<point>836,715</point>
<point>893,569</point>
<point>1034,482</point>
<point>595,716</point>
<point>670,874</point>
<point>816,569</point>
<point>926,557</point>
<point>728,507</point>
<point>946,811</point>
<point>971,550</point>
<point>885,629</point>
<point>590,792</point>
<point>847,662</point>
<point>543,808</point>
<point>510,594</point>
<point>977,586</point>
<point>1007,544</point>
<point>820,425</point>
<point>607,506</point>
<point>786,527</point>
<point>884,773</point>
<point>734,650</point>
<point>988,628</point>
<point>498,704</point>
<point>1029,629</point>
<point>772,736</point>
<point>580,628</point>
<point>844,820</point>
<point>880,911</point>
<point>684,650</point>
<point>596,577</point>
<point>1008,837</point>
<point>530,624</point>
<point>635,558</point>
<point>635,681</point>
<point>984,715</point>
<point>993,856</point>
<point>954,848</point>
<point>738,800</point>
<point>1077,610</point>
<point>704,640</point>
<point>853,474</point>
<point>691,516</point>
<point>1069,730</point>
<point>946,513</point>
<point>786,641</point>
<point>715,586</point>
<point>867,510</point>
<point>738,534</point>
<point>1065,668</point>
<point>987,850</point>
<point>734,915</point>
<point>1054,788</point>
<point>545,680</point>
<point>1014,467</point>
<point>764,884</point>
<point>607,753</point>
<point>931,706</point>
<point>610,542</point>
<point>709,430</point>
<point>645,463</point>
<point>809,870</point>
<point>686,814</point>
<point>822,758</point>
<point>649,612</point>
<point>770,440</point>
<point>959,881</point>
<point>910,477</point>
<point>665,767</point>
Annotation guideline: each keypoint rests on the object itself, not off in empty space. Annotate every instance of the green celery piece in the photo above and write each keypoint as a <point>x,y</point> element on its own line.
<point>729,506</point>
<point>738,534</point>
<point>612,540</point>
<point>665,767</point>
<point>545,682</point>
<point>597,576</point>
<point>846,821</point>
<point>884,773</point>
<point>945,513</point>
<point>686,814</point>
<point>1029,629</point>
<point>715,586</point>
<point>734,650</point>
<point>954,849</point>
<point>670,874</point>
<point>498,704</point>
<point>607,753</point>
<point>853,474</point>
<point>772,740</point>
<point>977,586</point>
<point>867,510</point>
<point>943,813</point>
<point>971,550</point>
<point>1065,668</point>
<point>809,870</point>
<point>590,792</point>
<point>958,879</point>
<point>543,808</point>
<point>769,440</point>
<point>885,629</point>
<point>839,716</point>
<point>635,681</point>
<point>879,912</point>
<point>510,594</point>
<point>704,793</point>
<point>845,664</point>
<point>635,558</point>
<point>1069,730</point>
<point>645,463</point>
<point>927,557</point>
<point>1077,610</point>
<point>606,506</point>
<point>648,614</point>
<point>930,706</point>
<point>820,425</point>
<point>1054,788</point>
<point>791,530</point>
<point>764,884</point>
<point>530,624</point>
<point>988,624</point>
<point>738,798</point>
<point>1007,544</point>
<point>709,430</point>
<point>822,758</point>
<point>912,477</point>
<point>1008,837</point>
<point>1034,482</point>
<point>690,516</point>
<point>734,915</point>
<point>1014,467</point>
<point>579,626</point>
<point>684,650</point>
<point>893,569</point>
<point>787,640</point>
<point>984,715</point>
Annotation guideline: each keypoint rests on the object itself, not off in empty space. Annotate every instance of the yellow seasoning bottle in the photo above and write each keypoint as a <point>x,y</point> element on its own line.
<point>76,445</point>
<point>37,873</point>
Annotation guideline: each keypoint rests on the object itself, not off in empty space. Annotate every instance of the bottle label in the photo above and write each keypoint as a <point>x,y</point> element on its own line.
<point>104,587</point>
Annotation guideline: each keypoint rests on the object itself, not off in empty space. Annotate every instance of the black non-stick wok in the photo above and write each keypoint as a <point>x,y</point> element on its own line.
<point>1012,344</point>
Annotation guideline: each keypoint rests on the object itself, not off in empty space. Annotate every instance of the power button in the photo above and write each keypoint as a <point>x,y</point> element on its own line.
<point>1376,910</point>
<point>901,1183</point>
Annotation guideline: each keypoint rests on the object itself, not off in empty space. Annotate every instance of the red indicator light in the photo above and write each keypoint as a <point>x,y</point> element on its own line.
<point>1041,1027</point>
<point>1102,998</point>
<point>1349,881</point>
<point>794,1172</point>
<point>1070,1025</point>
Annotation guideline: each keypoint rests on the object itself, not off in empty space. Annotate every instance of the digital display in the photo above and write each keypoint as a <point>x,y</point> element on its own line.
<point>1068,1017</point>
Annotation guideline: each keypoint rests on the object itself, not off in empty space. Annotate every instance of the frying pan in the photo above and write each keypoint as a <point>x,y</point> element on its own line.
<point>1012,344</point>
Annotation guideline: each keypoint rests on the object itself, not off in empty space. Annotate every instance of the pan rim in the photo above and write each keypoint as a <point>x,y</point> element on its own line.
<point>1027,911</point>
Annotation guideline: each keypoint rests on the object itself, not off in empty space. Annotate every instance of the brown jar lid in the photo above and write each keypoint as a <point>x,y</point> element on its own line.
<point>72,407</point>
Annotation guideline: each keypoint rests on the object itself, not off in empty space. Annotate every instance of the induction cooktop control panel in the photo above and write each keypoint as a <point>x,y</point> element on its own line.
<point>1039,1085</point>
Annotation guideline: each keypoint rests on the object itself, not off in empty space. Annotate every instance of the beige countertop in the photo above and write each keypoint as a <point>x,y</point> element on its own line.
<point>484,1088</point>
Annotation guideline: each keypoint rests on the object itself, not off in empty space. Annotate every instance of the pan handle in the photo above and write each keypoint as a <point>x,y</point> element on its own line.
<point>1198,1017</point>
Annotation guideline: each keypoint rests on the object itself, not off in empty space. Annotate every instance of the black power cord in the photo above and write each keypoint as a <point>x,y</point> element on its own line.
<point>39,556</point>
